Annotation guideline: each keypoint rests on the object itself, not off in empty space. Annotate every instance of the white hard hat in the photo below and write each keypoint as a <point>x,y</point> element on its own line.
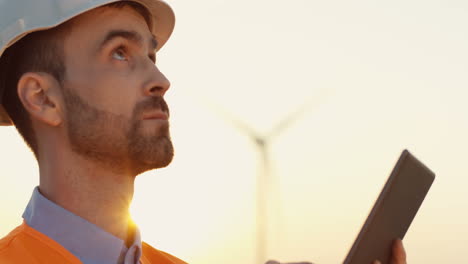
<point>21,17</point>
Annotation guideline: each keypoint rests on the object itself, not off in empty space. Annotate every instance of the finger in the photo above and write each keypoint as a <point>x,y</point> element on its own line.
<point>399,254</point>
<point>376,262</point>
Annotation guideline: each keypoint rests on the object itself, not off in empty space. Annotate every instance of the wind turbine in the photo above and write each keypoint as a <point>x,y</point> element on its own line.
<point>264,179</point>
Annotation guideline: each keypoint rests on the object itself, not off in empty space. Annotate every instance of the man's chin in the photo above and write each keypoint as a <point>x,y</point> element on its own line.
<point>161,162</point>
<point>149,157</point>
<point>141,168</point>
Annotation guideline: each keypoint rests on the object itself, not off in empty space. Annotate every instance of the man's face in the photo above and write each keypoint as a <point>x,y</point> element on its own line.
<point>113,93</point>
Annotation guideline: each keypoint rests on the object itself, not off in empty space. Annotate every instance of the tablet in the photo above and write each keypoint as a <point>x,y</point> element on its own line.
<point>393,211</point>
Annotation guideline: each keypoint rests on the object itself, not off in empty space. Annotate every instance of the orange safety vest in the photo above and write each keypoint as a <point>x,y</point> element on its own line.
<point>26,245</point>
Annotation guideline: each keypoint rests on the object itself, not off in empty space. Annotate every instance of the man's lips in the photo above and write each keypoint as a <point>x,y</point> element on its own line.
<point>156,115</point>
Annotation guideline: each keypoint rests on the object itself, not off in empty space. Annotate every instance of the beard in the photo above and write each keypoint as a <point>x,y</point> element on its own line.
<point>117,142</point>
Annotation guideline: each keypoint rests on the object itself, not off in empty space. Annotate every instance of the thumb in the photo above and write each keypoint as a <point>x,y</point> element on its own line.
<point>399,254</point>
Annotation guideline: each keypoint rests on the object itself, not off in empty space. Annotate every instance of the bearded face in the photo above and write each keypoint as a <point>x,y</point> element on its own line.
<point>114,111</point>
<point>117,141</point>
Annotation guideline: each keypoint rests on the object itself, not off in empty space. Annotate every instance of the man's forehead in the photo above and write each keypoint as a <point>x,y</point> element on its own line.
<point>99,22</point>
<point>107,16</point>
<point>130,35</point>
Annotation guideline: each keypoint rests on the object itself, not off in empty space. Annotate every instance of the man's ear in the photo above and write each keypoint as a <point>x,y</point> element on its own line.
<point>39,93</point>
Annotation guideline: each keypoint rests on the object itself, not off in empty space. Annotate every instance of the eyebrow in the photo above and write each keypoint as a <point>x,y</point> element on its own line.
<point>130,35</point>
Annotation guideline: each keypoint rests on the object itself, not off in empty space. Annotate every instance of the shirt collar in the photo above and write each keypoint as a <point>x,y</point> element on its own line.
<point>85,240</point>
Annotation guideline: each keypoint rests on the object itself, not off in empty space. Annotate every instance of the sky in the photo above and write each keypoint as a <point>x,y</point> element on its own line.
<point>362,79</point>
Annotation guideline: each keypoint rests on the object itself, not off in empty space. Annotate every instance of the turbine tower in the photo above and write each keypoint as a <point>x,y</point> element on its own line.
<point>264,179</point>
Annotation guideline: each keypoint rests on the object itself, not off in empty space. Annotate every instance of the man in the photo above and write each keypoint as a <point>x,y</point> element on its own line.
<point>88,99</point>
<point>78,80</point>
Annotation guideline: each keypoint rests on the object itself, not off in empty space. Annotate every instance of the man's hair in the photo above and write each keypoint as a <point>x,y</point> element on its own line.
<point>41,51</point>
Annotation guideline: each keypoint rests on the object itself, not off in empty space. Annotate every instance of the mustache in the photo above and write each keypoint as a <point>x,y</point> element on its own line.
<point>154,103</point>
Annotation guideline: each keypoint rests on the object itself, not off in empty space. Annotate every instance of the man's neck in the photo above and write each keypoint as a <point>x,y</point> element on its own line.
<point>96,194</point>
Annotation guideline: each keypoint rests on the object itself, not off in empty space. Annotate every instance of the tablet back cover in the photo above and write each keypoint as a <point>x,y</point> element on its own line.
<point>393,211</point>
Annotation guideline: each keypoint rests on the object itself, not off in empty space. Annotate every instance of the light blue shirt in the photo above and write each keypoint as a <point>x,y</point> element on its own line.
<point>88,242</point>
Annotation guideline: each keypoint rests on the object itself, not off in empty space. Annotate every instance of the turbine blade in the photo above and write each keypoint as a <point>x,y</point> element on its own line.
<point>232,119</point>
<point>294,116</point>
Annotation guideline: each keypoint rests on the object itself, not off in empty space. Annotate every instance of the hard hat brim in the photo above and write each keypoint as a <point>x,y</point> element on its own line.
<point>163,20</point>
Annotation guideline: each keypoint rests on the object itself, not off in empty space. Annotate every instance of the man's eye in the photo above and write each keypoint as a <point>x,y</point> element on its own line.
<point>120,54</point>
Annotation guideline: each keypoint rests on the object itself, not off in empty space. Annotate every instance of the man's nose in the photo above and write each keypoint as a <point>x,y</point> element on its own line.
<point>157,84</point>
